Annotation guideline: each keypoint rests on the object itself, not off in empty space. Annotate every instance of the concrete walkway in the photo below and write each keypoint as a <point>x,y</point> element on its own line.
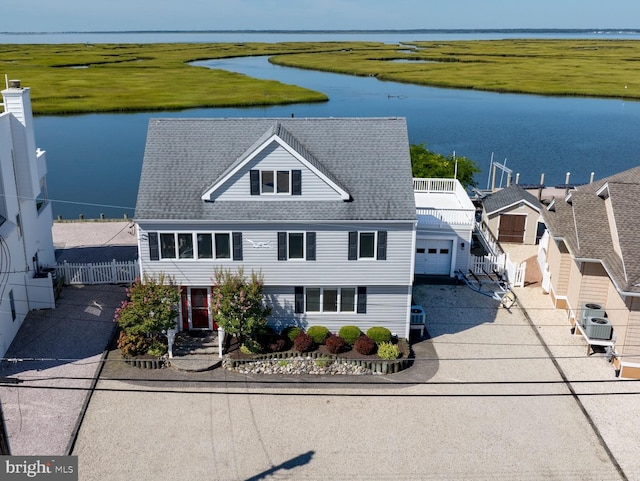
<point>57,354</point>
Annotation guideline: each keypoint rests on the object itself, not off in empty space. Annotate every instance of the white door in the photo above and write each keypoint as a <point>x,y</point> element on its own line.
<point>438,255</point>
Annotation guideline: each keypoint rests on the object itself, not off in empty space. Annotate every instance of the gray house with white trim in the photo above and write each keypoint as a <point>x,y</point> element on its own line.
<point>324,208</point>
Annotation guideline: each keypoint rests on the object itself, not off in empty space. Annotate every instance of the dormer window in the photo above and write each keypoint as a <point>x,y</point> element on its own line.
<point>276,182</point>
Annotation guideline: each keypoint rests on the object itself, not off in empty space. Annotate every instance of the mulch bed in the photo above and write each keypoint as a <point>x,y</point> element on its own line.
<point>234,352</point>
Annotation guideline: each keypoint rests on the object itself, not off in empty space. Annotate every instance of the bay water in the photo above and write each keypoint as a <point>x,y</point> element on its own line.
<point>94,160</point>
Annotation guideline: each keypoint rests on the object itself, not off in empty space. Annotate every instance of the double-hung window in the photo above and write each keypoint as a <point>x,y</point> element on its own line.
<point>171,245</point>
<point>367,245</point>
<point>278,182</point>
<point>330,299</point>
<point>223,246</point>
<point>296,245</point>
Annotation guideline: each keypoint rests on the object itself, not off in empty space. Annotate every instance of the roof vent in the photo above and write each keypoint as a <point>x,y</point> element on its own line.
<point>14,84</point>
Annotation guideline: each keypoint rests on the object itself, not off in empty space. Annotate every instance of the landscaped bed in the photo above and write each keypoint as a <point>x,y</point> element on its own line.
<point>317,351</point>
<point>319,361</point>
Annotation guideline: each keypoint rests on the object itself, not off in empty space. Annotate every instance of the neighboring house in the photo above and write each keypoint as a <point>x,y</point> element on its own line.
<point>446,219</point>
<point>592,256</point>
<point>513,215</point>
<point>26,245</point>
<point>323,208</point>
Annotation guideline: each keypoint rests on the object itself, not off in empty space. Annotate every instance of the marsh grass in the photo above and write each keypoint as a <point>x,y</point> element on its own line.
<point>79,78</point>
<point>596,68</point>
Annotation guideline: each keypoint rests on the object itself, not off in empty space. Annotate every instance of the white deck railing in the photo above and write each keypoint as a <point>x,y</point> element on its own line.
<point>435,185</point>
<point>448,216</point>
<point>113,272</point>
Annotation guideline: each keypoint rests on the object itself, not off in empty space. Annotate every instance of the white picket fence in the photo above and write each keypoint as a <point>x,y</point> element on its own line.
<point>501,264</point>
<point>114,272</point>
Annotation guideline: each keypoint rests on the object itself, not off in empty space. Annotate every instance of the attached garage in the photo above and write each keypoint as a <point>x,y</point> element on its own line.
<point>434,256</point>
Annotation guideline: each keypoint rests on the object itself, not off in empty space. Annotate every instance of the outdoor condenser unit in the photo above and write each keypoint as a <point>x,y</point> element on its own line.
<point>598,328</point>
<point>590,309</point>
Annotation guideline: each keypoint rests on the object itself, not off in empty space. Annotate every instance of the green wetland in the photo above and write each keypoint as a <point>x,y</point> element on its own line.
<point>93,78</point>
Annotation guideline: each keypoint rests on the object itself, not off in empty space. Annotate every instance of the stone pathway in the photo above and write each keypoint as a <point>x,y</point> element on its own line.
<point>196,351</point>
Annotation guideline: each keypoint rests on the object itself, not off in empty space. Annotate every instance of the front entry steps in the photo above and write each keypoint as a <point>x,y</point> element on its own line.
<point>195,351</point>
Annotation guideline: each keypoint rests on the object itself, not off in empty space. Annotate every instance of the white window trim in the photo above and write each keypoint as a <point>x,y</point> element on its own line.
<point>375,245</point>
<point>304,246</point>
<point>339,300</point>
<point>275,182</point>
<point>194,245</point>
<point>215,252</point>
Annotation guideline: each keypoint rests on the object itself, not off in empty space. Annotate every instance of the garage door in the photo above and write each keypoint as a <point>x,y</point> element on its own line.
<point>512,228</point>
<point>438,254</point>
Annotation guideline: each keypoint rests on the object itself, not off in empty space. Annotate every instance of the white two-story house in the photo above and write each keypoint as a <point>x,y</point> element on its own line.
<point>323,208</point>
<point>26,244</point>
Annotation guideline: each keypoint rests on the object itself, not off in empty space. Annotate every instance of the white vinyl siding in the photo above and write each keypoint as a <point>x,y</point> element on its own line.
<point>387,306</point>
<point>260,253</point>
<point>275,158</point>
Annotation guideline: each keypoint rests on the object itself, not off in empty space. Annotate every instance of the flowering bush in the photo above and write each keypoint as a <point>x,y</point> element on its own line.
<point>238,303</point>
<point>151,308</point>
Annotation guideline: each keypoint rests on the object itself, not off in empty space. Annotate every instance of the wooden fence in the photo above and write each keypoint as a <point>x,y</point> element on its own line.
<point>114,272</point>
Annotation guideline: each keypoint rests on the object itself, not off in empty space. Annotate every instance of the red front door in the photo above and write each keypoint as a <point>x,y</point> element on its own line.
<point>199,309</point>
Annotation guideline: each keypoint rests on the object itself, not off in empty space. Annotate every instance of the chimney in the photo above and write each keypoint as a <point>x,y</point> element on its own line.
<point>17,101</point>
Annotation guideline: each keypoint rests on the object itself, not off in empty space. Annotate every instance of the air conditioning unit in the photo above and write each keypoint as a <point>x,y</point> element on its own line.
<point>590,309</point>
<point>598,328</point>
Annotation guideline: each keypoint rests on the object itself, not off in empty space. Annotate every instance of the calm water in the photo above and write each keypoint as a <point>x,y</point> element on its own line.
<point>95,160</point>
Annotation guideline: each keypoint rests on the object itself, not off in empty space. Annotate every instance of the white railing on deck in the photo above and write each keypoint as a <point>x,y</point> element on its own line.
<point>114,272</point>
<point>434,185</point>
<point>448,216</point>
<point>500,264</point>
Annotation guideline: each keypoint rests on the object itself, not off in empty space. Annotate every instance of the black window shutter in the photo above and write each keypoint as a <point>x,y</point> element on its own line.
<point>254,177</point>
<point>353,246</point>
<point>154,251</point>
<point>282,246</point>
<point>299,300</point>
<point>296,182</point>
<point>362,300</point>
<point>237,246</point>
<point>382,245</point>
<point>311,246</point>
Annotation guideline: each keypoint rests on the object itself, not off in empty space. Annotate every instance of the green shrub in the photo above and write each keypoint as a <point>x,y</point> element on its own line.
<point>379,334</point>
<point>249,346</point>
<point>364,345</point>
<point>157,348</point>
<point>388,350</point>
<point>350,334</point>
<point>319,334</point>
<point>292,332</point>
<point>323,362</point>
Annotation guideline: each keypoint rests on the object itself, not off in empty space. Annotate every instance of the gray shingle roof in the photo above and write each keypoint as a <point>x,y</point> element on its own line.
<point>507,197</point>
<point>584,224</point>
<point>369,157</point>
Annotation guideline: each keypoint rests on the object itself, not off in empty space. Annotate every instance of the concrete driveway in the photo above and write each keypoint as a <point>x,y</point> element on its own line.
<point>494,405</point>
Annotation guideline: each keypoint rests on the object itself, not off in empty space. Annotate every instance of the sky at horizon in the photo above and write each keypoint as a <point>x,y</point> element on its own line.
<point>117,15</point>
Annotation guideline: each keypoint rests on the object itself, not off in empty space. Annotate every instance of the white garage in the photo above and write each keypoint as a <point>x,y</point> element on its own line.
<point>434,256</point>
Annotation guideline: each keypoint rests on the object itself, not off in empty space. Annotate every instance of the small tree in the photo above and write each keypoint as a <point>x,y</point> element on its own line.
<point>238,303</point>
<point>425,163</point>
<point>151,308</point>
